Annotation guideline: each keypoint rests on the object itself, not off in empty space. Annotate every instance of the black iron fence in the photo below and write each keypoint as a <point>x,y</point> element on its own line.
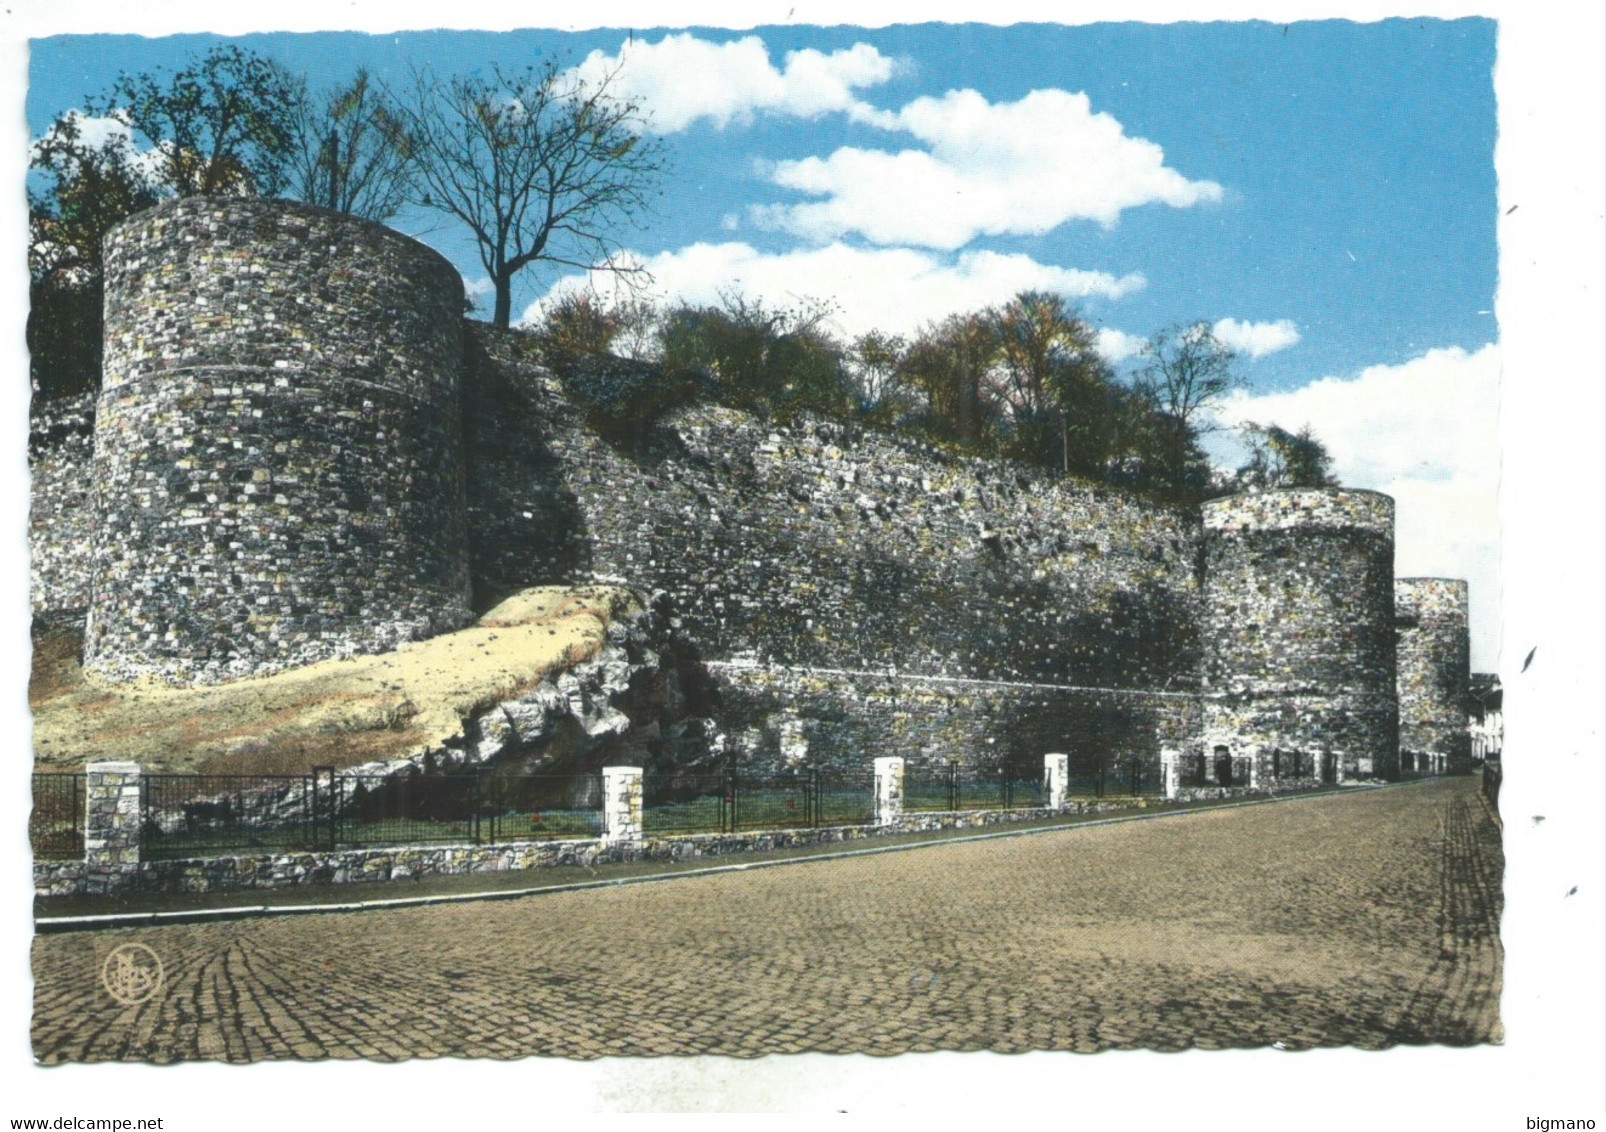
<point>191,815</point>
<point>729,801</point>
<point>949,787</point>
<point>187,815</point>
<point>56,822</point>
<point>1491,782</point>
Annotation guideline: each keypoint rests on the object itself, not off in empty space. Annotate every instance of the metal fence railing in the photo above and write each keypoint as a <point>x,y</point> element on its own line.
<point>1491,782</point>
<point>56,822</point>
<point>949,788</point>
<point>729,802</point>
<point>193,815</point>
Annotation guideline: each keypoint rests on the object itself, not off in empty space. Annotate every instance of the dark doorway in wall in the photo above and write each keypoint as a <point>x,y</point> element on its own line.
<point>1329,767</point>
<point>1223,766</point>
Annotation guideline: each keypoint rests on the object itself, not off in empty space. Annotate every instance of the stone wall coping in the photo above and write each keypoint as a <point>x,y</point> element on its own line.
<point>119,766</point>
<point>267,207</point>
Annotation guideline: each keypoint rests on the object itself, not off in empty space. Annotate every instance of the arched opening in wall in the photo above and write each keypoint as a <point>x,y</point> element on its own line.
<point>1276,764</point>
<point>1329,768</point>
<point>1223,766</point>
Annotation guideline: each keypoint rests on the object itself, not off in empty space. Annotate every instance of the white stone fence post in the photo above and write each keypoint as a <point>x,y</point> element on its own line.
<point>1056,779</point>
<point>112,813</point>
<point>621,805</point>
<point>1170,771</point>
<point>888,790</point>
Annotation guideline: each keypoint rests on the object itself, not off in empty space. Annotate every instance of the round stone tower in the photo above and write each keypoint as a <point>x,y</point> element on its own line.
<point>1435,669</point>
<point>278,474</point>
<point>1298,634</point>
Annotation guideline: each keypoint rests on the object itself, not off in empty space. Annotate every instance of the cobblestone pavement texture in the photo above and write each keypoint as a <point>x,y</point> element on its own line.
<point>1368,919</point>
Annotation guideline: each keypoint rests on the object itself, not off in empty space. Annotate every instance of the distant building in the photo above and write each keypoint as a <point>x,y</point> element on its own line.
<point>1485,720</point>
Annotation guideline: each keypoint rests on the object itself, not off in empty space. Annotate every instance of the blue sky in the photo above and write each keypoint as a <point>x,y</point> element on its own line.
<point>1323,193</point>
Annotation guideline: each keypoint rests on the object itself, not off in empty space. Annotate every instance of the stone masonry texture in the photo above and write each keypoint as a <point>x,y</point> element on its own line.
<point>302,451</point>
<point>1298,616</point>
<point>1434,671</point>
<point>277,467</point>
<point>1386,933</point>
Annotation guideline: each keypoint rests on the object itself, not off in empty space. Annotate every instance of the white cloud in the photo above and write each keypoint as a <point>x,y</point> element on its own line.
<point>682,79</point>
<point>1256,339</point>
<point>115,132</point>
<point>1011,168</point>
<point>1424,432</point>
<point>891,289</point>
<point>1117,345</point>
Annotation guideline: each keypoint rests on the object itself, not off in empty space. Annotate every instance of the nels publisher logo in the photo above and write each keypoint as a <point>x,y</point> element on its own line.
<point>131,974</point>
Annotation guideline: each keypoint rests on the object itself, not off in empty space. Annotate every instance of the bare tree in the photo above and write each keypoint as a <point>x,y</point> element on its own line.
<point>1188,372</point>
<point>351,152</point>
<point>538,164</point>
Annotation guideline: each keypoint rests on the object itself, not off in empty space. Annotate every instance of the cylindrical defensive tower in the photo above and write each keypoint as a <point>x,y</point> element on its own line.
<point>1434,671</point>
<point>1298,632</point>
<point>278,474</point>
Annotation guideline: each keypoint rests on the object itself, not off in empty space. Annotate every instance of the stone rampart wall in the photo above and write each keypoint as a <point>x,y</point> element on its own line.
<point>277,467</point>
<point>778,718</point>
<point>1434,669</point>
<point>60,518</point>
<point>819,546</point>
<point>1298,613</point>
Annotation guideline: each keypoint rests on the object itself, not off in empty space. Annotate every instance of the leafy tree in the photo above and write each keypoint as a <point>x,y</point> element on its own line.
<point>772,360</point>
<point>951,362</point>
<point>577,324</point>
<point>219,125</point>
<point>538,165</point>
<point>1189,372</point>
<point>223,125</point>
<point>1056,384</point>
<point>1279,458</point>
<point>90,185</point>
<point>873,360</point>
<point>350,152</point>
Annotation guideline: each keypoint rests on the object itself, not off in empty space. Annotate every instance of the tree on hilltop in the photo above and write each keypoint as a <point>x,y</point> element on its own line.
<point>1189,371</point>
<point>539,165</point>
<point>1056,384</point>
<point>221,126</point>
<point>350,151</point>
<point>1279,459</point>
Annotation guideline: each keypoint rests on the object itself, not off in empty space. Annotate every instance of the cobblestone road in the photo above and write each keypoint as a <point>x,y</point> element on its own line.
<point>1364,919</point>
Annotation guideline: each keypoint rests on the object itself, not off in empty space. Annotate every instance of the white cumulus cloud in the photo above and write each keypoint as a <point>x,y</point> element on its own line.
<point>1256,339</point>
<point>1425,432</point>
<point>987,169</point>
<point>1117,345</point>
<point>682,79</point>
<point>891,289</point>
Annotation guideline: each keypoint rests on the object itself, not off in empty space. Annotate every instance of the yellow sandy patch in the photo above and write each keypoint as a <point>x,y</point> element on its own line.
<point>335,712</point>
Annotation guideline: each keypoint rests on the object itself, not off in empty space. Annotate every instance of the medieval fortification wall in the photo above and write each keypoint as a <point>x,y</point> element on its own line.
<point>277,468</point>
<point>1298,619</point>
<point>1434,672</point>
<point>301,451</point>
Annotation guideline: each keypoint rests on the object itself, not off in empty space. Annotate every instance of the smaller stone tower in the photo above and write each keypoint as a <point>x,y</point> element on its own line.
<point>1434,671</point>
<point>277,469</point>
<point>1298,632</point>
